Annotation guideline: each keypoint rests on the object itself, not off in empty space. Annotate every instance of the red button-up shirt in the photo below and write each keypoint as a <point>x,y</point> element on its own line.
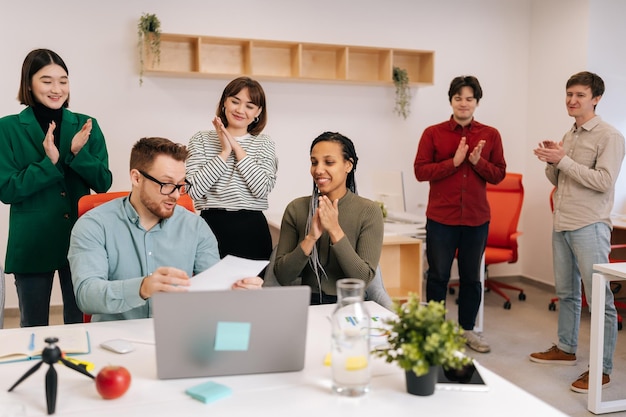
<point>457,195</point>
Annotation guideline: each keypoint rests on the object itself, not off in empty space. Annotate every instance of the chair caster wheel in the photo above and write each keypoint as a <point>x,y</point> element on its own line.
<point>522,296</point>
<point>507,305</point>
<point>552,306</point>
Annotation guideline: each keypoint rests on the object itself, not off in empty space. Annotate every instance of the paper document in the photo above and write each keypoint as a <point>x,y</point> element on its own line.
<point>225,273</point>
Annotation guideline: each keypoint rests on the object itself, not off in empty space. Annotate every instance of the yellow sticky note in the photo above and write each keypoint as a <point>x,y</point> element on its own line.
<point>327,360</point>
<point>356,363</point>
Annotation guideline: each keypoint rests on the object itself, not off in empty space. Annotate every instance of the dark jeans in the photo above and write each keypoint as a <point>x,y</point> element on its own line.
<point>467,243</point>
<point>326,299</point>
<point>33,293</point>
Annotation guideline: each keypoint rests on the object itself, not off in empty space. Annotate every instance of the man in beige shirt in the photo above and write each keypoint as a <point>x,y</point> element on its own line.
<point>583,167</point>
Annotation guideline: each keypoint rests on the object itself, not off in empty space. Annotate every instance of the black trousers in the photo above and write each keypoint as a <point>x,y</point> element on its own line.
<point>33,293</point>
<point>442,244</point>
<point>242,233</point>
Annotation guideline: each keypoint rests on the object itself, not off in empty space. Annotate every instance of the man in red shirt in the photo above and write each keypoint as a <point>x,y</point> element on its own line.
<point>458,157</point>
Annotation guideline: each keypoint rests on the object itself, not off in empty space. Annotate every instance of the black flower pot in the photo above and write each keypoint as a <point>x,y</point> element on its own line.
<point>421,385</point>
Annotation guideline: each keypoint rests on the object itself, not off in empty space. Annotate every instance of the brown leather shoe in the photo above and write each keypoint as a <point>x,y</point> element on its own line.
<point>582,383</point>
<point>554,355</point>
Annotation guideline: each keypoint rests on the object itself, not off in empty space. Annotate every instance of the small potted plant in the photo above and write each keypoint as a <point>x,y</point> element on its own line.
<point>149,40</point>
<point>403,92</point>
<point>420,340</point>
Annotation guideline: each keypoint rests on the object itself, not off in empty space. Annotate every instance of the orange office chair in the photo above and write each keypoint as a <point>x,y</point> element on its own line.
<point>89,201</point>
<point>584,304</point>
<point>505,200</point>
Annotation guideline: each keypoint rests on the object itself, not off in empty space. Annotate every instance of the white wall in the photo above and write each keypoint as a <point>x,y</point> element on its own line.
<point>607,56</point>
<point>567,37</point>
<point>512,46</point>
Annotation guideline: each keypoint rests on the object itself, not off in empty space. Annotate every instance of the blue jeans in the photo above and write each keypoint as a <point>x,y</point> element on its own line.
<point>467,243</point>
<point>33,293</point>
<point>574,253</point>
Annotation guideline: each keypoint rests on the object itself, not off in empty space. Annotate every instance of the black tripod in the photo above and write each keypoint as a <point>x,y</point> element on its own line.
<point>51,354</point>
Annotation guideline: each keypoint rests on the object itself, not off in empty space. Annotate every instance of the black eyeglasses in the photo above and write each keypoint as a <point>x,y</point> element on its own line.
<point>168,188</point>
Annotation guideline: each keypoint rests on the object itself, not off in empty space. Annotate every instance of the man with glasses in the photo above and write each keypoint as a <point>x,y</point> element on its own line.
<point>123,251</point>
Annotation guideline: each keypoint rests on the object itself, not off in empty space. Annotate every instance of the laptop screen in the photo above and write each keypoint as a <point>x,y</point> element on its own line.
<point>231,332</point>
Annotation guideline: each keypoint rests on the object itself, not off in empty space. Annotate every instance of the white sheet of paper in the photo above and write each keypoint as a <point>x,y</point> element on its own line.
<point>225,273</point>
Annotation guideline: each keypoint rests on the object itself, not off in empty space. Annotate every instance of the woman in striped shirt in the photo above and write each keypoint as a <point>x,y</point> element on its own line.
<point>232,169</point>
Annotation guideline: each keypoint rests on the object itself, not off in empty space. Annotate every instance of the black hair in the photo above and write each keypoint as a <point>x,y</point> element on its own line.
<point>34,61</point>
<point>348,150</point>
<point>465,81</point>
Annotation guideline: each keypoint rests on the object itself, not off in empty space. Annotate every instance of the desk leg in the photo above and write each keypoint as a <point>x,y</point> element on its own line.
<point>479,317</point>
<point>596,350</point>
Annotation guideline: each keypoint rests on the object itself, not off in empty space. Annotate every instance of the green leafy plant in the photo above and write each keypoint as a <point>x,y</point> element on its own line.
<point>149,40</point>
<point>383,208</point>
<point>421,337</point>
<point>403,92</point>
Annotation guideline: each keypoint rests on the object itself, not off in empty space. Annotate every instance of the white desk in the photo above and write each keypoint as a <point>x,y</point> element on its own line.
<point>304,393</point>
<point>606,272</point>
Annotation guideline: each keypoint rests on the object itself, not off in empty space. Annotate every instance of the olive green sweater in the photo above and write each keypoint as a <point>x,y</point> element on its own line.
<point>356,255</point>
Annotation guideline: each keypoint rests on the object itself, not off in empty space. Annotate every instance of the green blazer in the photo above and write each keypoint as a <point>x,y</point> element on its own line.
<point>44,196</point>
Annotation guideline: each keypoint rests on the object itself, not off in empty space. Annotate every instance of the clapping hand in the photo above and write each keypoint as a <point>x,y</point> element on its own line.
<point>48,144</point>
<point>224,137</point>
<point>81,137</point>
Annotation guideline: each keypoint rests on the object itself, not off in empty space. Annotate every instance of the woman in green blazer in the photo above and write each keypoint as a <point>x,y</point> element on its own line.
<point>49,158</point>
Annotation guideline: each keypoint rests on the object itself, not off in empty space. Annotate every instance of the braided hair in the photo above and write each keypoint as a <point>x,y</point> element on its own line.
<point>349,154</point>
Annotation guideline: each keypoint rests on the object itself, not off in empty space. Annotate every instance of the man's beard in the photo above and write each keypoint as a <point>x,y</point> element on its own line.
<point>155,207</point>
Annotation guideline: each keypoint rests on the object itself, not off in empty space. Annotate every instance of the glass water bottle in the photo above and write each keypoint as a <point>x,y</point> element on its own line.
<point>350,350</point>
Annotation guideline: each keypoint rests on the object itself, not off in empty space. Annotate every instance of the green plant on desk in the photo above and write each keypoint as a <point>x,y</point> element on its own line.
<point>420,337</point>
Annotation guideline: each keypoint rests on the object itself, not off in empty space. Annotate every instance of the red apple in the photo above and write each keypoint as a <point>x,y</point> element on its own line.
<point>112,381</point>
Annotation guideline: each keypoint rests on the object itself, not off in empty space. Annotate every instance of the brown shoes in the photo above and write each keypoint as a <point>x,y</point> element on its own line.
<point>554,355</point>
<point>582,383</point>
<point>558,357</point>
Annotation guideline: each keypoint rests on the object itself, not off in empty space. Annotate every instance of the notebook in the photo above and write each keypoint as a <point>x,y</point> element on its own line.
<point>230,332</point>
<point>25,346</point>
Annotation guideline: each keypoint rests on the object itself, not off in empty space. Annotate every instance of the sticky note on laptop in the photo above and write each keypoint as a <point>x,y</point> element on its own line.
<point>209,392</point>
<point>231,336</point>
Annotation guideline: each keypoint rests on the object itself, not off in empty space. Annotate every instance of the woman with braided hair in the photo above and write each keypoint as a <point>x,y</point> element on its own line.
<point>334,233</point>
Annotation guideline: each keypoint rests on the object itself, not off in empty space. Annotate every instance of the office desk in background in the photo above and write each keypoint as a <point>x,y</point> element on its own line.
<point>604,273</point>
<point>305,393</point>
<point>401,259</point>
<point>618,236</point>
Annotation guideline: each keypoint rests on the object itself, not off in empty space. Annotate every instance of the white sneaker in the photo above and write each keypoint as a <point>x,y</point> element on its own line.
<point>476,341</point>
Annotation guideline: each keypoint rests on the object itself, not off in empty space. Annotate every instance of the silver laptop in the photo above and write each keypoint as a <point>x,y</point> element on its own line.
<point>233,332</point>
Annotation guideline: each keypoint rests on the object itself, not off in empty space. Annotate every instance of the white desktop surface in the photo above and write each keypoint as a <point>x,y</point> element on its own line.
<point>304,393</point>
<point>619,220</point>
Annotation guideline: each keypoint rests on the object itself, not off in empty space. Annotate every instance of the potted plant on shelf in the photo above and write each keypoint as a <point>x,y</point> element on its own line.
<point>420,339</point>
<point>403,92</point>
<point>149,42</point>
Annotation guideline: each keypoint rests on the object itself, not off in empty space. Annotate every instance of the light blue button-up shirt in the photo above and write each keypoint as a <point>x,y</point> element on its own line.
<point>111,253</point>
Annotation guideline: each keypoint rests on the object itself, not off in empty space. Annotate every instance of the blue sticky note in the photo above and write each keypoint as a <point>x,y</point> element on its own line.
<point>209,392</point>
<point>232,336</point>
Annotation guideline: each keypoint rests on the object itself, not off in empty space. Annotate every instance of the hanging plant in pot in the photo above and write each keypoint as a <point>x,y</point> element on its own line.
<point>403,92</point>
<point>420,340</point>
<point>149,41</point>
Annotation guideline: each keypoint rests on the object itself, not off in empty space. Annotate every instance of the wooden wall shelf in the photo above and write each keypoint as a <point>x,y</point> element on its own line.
<point>216,57</point>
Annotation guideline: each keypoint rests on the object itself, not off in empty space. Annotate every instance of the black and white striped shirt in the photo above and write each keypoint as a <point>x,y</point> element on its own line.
<point>231,184</point>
